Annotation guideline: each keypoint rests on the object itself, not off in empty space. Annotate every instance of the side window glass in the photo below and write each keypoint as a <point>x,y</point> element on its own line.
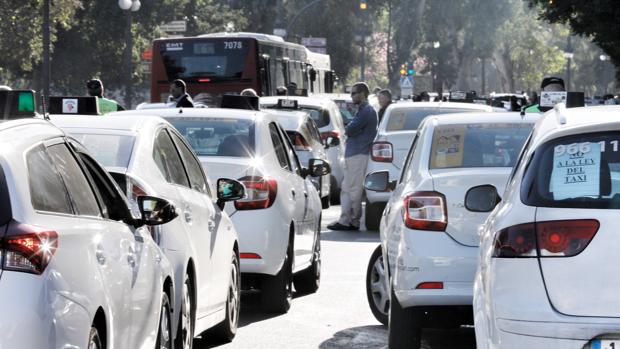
<point>314,131</point>
<point>113,201</point>
<point>168,160</point>
<point>406,174</point>
<point>279,147</point>
<point>47,192</point>
<point>194,169</point>
<point>292,156</point>
<point>81,193</point>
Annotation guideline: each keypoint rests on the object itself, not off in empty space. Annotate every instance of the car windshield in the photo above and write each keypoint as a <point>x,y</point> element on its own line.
<point>408,119</point>
<point>578,171</point>
<point>477,145</point>
<point>217,136</point>
<point>108,149</point>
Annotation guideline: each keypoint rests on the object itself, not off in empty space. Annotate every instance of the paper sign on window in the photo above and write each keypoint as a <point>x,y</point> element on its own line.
<point>576,170</point>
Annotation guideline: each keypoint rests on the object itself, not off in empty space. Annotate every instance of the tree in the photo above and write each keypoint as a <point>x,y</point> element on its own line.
<point>599,20</point>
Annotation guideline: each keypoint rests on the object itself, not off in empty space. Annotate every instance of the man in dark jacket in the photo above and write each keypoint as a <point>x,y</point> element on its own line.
<point>361,132</point>
<point>385,99</point>
<point>178,92</point>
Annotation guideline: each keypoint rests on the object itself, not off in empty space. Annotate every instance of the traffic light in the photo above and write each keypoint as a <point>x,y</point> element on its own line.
<point>403,69</point>
<point>410,70</point>
<point>363,5</point>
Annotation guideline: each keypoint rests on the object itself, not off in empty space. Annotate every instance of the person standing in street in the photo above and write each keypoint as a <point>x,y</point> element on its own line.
<point>178,90</point>
<point>106,105</point>
<point>361,132</point>
<point>385,99</point>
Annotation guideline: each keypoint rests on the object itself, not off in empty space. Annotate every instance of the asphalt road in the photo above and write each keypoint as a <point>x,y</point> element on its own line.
<point>337,316</point>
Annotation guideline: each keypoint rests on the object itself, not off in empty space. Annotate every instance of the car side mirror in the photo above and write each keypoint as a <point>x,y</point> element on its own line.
<point>156,211</point>
<point>318,168</point>
<point>229,190</point>
<point>482,198</point>
<point>332,142</point>
<point>378,181</point>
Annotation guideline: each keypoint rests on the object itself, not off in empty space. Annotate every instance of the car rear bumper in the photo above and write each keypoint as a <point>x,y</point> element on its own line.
<point>506,340</point>
<point>264,233</point>
<point>35,317</point>
<point>429,256</point>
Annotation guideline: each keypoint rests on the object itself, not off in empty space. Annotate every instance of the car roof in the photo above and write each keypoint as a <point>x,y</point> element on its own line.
<point>562,121</point>
<point>446,105</point>
<point>24,132</point>
<point>477,117</point>
<point>288,118</point>
<point>194,112</point>
<point>321,102</point>
<point>131,123</point>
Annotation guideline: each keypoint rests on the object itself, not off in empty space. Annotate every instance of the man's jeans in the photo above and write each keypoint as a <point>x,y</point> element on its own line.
<point>352,189</point>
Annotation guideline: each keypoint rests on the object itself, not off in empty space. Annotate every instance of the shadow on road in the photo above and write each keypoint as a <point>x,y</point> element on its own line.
<point>462,338</point>
<point>350,236</point>
<point>365,337</point>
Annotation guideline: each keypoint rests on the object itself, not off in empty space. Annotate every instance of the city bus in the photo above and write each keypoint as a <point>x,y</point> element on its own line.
<point>223,63</point>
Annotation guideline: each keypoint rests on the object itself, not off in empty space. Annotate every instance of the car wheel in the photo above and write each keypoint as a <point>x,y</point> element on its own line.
<point>376,292</point>
<point>334,192</point>
<point>325,202</point>
<point>94,342</point>
<point>277,290</point>
<point>404,326</point>
<point>309,280</point>
<point>185,331</point>
<point>373,214</point>
<point>227,329</point>
<point>164,334</point>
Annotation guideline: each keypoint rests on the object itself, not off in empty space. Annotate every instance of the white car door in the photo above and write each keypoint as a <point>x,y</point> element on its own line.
<point>304,214</point>
<point>221,238</point>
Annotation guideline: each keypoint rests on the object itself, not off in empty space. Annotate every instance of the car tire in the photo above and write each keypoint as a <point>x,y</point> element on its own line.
<point>373,213</point>
<point>227,329</point>
<point>185,331</point>
<point>277,290</point>
<point>404,330</point>
<point>325,202</point>
<point>94,341</point>
<point>376,293</point>
<point>334,192</point>
<point>164,333</point>
<point>309,280</point>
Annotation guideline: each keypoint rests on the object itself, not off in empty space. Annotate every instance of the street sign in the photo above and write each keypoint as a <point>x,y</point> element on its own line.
<point>279,32</point>
<point>406,82</point>
<point>316,42</point>
<point>174,27</point>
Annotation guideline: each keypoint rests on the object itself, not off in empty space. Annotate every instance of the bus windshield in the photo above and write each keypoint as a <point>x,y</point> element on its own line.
<point>214,60</point>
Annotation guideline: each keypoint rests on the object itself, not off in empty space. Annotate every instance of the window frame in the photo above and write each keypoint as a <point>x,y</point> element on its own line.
<point>177,138</point>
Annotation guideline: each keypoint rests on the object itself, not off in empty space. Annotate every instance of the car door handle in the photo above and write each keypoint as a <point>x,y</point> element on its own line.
<point>131,259</point>
<point>293,193</point>
<point>305,193</point>
<point>100,255</point>
<point>211,226</point>
<point>188,216</point>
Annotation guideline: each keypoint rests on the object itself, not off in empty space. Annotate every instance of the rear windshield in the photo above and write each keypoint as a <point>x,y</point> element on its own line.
<point>320,116</point>
<point>477,145</point>
<point>217,137</point>
<point>109,150</point>
<point>409,119</point>
<point>579,171</point>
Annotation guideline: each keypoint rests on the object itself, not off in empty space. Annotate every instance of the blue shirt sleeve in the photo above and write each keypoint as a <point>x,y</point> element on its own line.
<point>356,126</point>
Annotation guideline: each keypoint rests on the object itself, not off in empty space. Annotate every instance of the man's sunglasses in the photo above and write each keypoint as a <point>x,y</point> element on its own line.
<point>353,93</point>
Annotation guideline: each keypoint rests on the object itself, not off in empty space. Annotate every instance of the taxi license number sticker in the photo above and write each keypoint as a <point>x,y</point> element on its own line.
<point>606,344</point>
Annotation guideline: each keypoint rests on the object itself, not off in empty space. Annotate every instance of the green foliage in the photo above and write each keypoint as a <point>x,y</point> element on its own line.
<point>599,20</point>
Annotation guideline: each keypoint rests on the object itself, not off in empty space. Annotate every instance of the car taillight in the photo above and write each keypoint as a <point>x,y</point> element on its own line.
<point>565,238</point>
<point>425,210</point>
<point>299,142</point>
<point>260,193</point>
<point>27,248</point>
<point>327,134</point>
<point>382,152</point>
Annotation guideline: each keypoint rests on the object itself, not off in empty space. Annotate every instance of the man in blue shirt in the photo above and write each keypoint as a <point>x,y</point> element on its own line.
<point>361,132</point>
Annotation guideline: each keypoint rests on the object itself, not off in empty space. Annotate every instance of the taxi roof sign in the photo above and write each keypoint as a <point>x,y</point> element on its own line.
<point>17,104</point>
<point>74,105</point>
<point>239,102</point>
<point>288,104</point>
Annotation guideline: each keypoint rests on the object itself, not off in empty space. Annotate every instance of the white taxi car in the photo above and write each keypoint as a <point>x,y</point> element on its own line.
<point>78,270</point>
<point>147,156</point>
<point>547,276</point>
<point>279,222</point>
<point>429,238</point>
<point>328,119</point>
<point>394,136</point>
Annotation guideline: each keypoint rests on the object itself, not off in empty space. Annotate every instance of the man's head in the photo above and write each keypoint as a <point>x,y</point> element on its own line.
<point>249,92</point>
<point>376,90</point>
<point>95,88</point>
<point>177,88</point>
<point>552,83</point>
<point>281,91</point>
<point>385,98</point>
<point>359,92</point>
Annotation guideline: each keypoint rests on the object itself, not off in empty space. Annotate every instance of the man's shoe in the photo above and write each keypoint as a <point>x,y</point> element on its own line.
<point>338,226</point>
<point>352,227</point>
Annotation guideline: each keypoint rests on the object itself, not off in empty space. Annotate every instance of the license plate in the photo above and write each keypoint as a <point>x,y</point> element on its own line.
<point>606,344</point>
